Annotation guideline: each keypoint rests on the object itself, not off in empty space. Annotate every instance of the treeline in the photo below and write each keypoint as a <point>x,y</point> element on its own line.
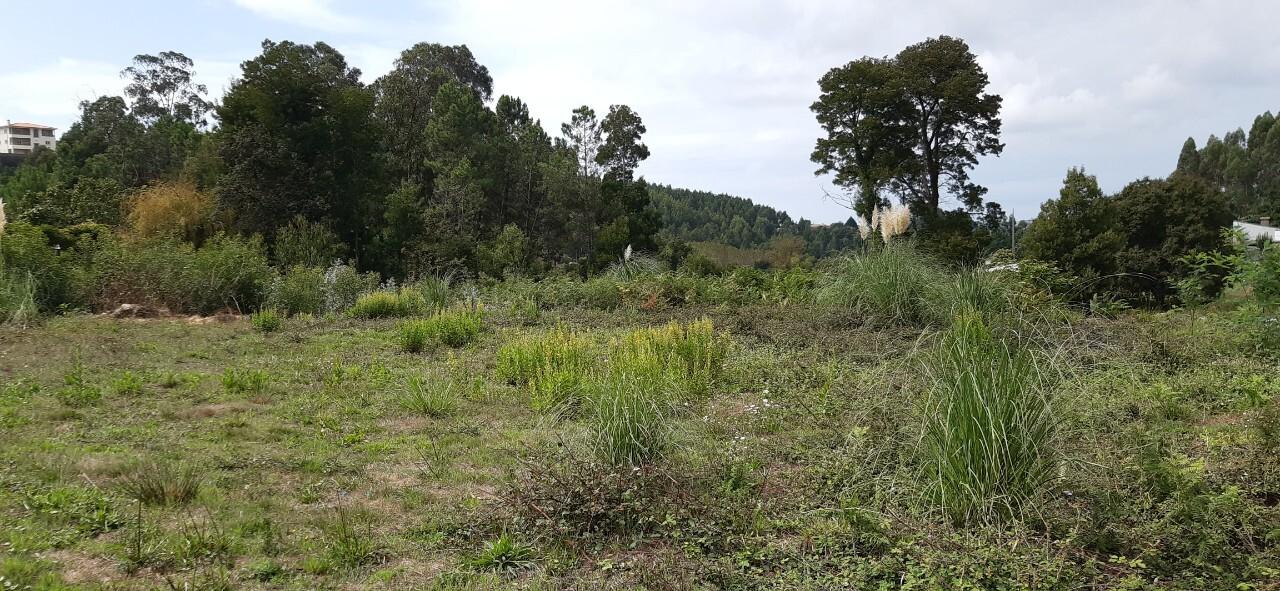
<point>702,216</point>
<point>420,172</point>
<point>1245,167</point>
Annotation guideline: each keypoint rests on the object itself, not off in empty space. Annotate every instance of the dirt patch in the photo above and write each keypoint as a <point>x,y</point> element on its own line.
<point>205,411</point>
<point>80,568</point>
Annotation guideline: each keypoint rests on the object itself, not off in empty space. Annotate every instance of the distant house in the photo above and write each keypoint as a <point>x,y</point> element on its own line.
<point>1263,230</point>
<point>22,138</point>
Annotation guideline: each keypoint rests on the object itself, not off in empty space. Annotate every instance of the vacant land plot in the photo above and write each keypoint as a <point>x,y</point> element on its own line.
<point>763,446</point>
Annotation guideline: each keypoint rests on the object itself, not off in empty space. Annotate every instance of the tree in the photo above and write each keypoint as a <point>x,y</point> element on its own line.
<point>1189,158</point>
<point>295,140</point>
<point>952,118</point>
<point>622,151</point>
<point>1076,231</point>
<point>584,137</point>
<point>405,101</point>
<point>916,123</point>
<point>162,86</point>
<point>862,110</point>
<point>1163,221</point>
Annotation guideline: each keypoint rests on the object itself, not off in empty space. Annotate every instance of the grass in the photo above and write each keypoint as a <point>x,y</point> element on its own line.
<point>433,397</point>
<point>401,303</point>
<point>706,444</point>
<point>162,483</point>
<point>452,328</point>
<point>987,445</point>
<point>888,284</point>
<point>17,298</point>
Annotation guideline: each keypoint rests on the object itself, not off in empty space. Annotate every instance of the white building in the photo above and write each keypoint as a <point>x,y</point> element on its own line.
<point>1260,230</point>
<point>22,138</point>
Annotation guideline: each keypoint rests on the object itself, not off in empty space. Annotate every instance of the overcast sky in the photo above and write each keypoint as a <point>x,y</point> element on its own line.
<point>725,87</point>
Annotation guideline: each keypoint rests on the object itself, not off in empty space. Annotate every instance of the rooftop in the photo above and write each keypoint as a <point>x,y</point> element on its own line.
<point>24,124</point>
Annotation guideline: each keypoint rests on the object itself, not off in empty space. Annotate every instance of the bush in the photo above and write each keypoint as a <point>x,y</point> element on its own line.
<point>344,286</point>
<point>304,243</point>
<point>390,304</point>
<point>30,261</point>
<point>266,320</point>
<point>171,210</point>
<point>227,272</point>
<point>456,328</point>
<point>988,436</point>
<point>550,366</point>
<point>694,353</point>
<point>301,291</point>
<point>889,283</point>
<point>436,398</point>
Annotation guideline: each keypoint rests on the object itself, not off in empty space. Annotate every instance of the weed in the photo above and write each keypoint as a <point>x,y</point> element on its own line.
<point>127,384</point>
<point>694,352</point>
<point>504,555</point>
<point>628,410</point>
<point>456,328</point>
<point>415,335</point>
<point>349,543</point>
<point>243,381</point>
<point>987,444</point>
<point>436,398</point>
<point>161,483</point>
<point>521,362</point>
<point>75,390</point>
<point>267,320</point>
<point>401,303</point>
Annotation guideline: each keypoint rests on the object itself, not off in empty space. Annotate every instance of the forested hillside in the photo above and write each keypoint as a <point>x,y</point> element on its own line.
<point>1244,166</point>
<point>702,216</point>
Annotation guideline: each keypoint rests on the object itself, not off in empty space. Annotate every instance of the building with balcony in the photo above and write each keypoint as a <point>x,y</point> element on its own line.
<point>22,138</point>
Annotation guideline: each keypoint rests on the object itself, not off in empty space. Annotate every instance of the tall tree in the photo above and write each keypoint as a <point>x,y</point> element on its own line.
<point>953,120</point>
<point>163,86</point>
<point>1076,231</point>
<point>405,101</point>
<point>1189,158</point>
<point>295,139</point>
<point>622,151</point>
<point>862,110</point>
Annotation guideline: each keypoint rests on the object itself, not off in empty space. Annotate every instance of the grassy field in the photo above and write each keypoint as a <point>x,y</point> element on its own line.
<point>793,447</point>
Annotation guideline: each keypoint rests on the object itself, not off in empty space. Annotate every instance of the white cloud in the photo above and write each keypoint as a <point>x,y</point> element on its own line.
<point>51,94</point>
<point>316,14</point>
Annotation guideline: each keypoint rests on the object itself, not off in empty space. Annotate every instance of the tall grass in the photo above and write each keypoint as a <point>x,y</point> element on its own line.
<point>629,406</point>
<point>970,290</point>
<point>399,303</point>
<point>17,297</point>
<point>890,283</point>
<point>988,437</point>
<point>694,353</point>
<point>521,362</point>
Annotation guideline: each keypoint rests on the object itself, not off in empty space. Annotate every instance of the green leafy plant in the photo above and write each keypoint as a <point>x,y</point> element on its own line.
<point>127,384</point>
<point>266,321</point>
<point>242,381</point>
<point>504,555</point>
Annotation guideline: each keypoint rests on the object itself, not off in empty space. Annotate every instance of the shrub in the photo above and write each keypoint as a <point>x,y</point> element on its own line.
<point>171,210</point>
<point>344,286</point>
<point>888,283</point>
<point>31,264</point>
<point>266,320</point>
<point>436,398</point>
<point>552,366</point>
<point>1264,276</point>
<point>389,304</point>
<point>304,243</point>
<point>694,352</point>
<point>456,328</point>
<point>227,272</point>
<point>76,390</point>
<point>158,483</point>
<point>987,444</point>
<point>415,335</point>
<point>300,291</point>
<point>601,293</point>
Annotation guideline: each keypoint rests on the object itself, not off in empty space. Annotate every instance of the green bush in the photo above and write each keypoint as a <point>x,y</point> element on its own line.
<point>266,320</point>
<point>414,335</point>
<point>31,264</point>
<point>988,439</point>
<point>693,353</point>
<point>300,291</point>
<point>227,272</point>
<point>401,303</point>
<point>344,286</point>
<point>456,328</point>
<point>303,243</point>
<point>551,366</point>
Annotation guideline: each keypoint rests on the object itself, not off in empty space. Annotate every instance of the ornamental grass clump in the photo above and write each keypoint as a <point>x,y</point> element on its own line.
<point>888,284</point>
<point>987,445</point>
<point>628,409</point>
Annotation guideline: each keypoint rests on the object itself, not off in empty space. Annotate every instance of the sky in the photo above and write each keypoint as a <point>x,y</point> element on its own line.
<point>724,87</point>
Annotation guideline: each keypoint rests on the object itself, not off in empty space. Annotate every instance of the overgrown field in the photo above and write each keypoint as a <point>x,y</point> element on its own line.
<point>848,440</point>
